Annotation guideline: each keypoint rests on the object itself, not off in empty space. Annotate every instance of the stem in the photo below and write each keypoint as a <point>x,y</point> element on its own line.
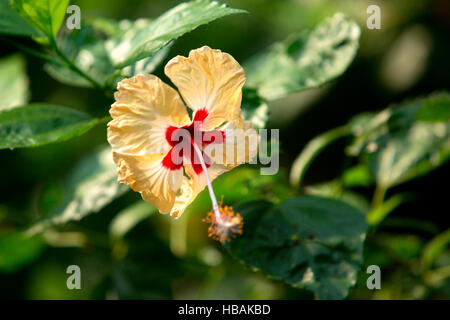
<point>29,50</point>
<point>378,196</point>
<point>73,66</point>
<point>215,205</point>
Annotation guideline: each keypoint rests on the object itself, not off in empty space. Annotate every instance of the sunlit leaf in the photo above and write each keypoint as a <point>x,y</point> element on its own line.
<point>38,124</point>
<point>44,15</point>
<point>357,176</point>
<point>12,23</point>
<point>309,242</point>
<point>436,108</point>
<point>13,82</point>
<point>91,53</point>
<point>397,146</point>
<point>380,212</point>
<point>90,186</point>
<point>17,250</point>
<point>174,23</point>
<point>304,61</point>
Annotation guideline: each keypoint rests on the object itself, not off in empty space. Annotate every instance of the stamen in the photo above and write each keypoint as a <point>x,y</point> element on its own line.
<point>224,222</point>
<point>230,226</point>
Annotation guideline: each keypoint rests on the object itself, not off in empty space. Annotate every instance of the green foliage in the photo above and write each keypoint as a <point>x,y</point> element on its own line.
<point>90,186</point>
<point>254,108</point>
<point>436,108</point>
<point>381,211</point>
<point>304,61</point>
<point>310,237</point>
<point>12,23</point>
<point>315,242</point>
<point>106,50</point>
<point>397,146</point>
<point>174,23</point>
<point>13,82</point>
<point>357,176</point>
<point>45,15</point>
<point>434,248</point>
<point>87,53</point>
<point>38,124</point>
<point>17,251</point>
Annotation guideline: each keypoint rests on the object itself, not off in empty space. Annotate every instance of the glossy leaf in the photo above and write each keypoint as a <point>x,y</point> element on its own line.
<point>38,124</point>
<point>90,186</point>
<point>309,242</point>
<point>397,146</point>
<point>12,23</point>
<point>17,250</point>
<point>304,61</point>
<point>174,23</point>
<point>13,82</point>
<point>44,15</point>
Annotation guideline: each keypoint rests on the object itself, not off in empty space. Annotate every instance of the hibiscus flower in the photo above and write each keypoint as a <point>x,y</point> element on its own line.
<point>168,157</point>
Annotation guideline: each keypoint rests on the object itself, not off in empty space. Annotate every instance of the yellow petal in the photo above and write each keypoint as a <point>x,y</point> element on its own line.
<point>209,79</point>
<point>145,173</point>
<point>144,108</point>
<point>240,146</point>
<point>192,186</point>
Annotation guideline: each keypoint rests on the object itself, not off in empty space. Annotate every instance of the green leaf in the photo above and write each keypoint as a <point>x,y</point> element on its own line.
<point>44,15</point>
<point>126,219</point>
<point>380,212</point>
<point>357,176</point>
<point>397,146</point>
<point>311,151</point>
<point>304,61</point>
<point>147,65</point>
<point>309,242</point>
<point>12,23</point>
<point>436,108</point>
<point>434,248</point>
<point>91,53</point>
<point>90,186</point>
<point>174,23</point>
<point>17,251</point>
<point>38,124</point>
<point>254,108</point>
<point>335,190</point>
<point>13,82</point>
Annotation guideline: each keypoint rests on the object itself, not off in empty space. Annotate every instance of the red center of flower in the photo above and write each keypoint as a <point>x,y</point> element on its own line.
<point>182,140</point>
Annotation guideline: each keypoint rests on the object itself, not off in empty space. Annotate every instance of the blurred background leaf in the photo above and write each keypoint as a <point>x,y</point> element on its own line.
<point>90,186</point>
<point>13,82</point>
<point>305,61</point>
<point>17,251</point>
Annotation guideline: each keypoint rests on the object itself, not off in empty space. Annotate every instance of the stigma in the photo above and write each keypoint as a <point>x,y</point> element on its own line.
<point>224,226</point>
